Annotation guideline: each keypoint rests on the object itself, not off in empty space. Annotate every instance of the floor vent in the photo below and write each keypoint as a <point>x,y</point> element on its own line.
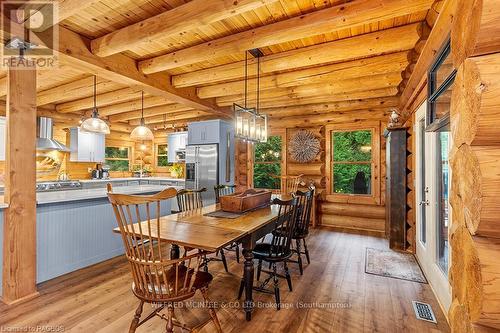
<point>423,311</point>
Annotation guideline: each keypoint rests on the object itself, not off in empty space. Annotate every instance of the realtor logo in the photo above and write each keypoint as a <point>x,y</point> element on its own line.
<point>29,35</point>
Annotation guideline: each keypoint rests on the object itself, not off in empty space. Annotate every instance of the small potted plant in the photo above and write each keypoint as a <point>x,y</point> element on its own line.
<point>177,170</point>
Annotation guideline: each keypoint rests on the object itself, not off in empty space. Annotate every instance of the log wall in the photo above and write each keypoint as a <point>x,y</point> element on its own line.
<point>475,166</point>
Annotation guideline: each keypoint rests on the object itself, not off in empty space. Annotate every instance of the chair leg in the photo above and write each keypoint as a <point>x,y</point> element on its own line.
<point>170,319</point>
<point>259,269</point>
<point>237,253</point>
<point>299,257</point>
<point>287,275</point>
<point>205,263</point>
<point>137,317</point>
<point>223,258</point>
<point>276,286</point>
<point>242,287</point>
<point>306,251</point>
<point>211,310</point>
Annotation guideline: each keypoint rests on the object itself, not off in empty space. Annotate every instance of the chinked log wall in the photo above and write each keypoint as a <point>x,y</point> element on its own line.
<point>475,165</point>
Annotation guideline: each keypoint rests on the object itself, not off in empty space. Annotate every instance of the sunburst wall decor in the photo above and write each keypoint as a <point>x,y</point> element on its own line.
<point>304,146</point>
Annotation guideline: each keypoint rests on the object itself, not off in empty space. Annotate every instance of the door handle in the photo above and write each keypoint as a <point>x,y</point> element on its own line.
<point>426,202</point>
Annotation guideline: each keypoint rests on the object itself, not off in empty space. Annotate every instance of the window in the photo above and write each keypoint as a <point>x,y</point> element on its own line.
<point>352,162</point>
<point>443,184</point>
<point>441,78</point>
<point>267,163</point>
<point>117,158</point>
<point>162,156</point>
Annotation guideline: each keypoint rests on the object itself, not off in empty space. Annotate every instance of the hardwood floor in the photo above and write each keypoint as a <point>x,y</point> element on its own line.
<point>99,298</point>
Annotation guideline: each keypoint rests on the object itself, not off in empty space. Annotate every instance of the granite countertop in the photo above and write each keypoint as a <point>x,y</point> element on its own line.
<point>88,194</point>
<point>131,179</point>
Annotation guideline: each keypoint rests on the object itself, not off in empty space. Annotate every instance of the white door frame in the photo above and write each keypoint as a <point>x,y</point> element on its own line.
<point>427,253</point>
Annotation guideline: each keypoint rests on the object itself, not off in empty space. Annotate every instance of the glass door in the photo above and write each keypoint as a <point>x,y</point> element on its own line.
<point>432,213</point>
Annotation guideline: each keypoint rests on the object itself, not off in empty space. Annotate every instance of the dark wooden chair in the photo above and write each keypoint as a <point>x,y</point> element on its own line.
<point>157,279</point>
<point>192,199</point>
<point>221,190</point>
<point>278,250</point>
<point>305,204</point>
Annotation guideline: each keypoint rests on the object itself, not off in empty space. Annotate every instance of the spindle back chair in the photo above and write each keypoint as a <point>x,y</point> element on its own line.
<point>156,278</point>
<point>190,199</point>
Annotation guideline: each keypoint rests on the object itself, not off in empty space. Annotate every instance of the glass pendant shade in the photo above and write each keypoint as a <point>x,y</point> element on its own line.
<point>142,133</point>
<point>94,124</point>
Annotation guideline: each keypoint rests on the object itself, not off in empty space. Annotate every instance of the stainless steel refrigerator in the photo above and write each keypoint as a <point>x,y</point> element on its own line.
<point>202,169</point>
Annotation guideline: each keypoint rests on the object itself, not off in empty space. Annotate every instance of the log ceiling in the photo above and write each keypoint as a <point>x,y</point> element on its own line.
<point>319,57</point>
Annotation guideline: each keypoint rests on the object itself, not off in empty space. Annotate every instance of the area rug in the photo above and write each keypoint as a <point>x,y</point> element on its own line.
<point>393,264</point>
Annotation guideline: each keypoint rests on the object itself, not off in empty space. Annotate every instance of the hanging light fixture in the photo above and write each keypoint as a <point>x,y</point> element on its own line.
<point>95,124</point>
<point>142,132</point>
<point>249,123</point>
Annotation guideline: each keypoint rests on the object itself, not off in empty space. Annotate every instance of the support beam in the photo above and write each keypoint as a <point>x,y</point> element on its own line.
<point>332,87</point>
<point>395,62</point>
<point>194,14</point>
<point>172,117</point>
<point>381,42</point>
<point>333,19</point>
<point>153,111</point>
<point>439,33</point>
<point>19,231</point>
<point>133,105</point>
<point>284,101</point>
<point>111,97</point>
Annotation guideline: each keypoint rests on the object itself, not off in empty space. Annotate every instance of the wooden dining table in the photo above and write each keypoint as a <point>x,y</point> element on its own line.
<point>193,229</point>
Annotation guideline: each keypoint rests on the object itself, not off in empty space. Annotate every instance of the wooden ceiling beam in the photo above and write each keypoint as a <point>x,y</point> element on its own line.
<point>331,87</point>
<point>439,33</point>
<point>194,14</point>
<point>72,90</point>
<point>171,117</point>
<point>133,105</point>
<point>322,108</point>
<point>333,19</point>
<point>153,111</point>
<point>395,62</point>
<point>382,42</point>
<point>287,101</point>
<point>101,99</point>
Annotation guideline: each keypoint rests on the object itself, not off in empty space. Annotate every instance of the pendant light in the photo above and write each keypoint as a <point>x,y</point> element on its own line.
<point>142,132</point>
<point>95,124</point>
<point>250,124</point>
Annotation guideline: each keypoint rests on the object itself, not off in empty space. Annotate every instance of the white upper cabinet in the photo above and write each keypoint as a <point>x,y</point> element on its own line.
<point>176,141</point>
<point>204,132</point>
<point>3,138</point>
<point>87,147</point>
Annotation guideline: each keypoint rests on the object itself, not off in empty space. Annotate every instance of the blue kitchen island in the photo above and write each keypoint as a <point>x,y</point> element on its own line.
<point>75,228</point>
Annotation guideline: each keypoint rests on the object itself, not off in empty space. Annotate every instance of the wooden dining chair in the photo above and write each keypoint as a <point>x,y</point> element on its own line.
<point>289,184</point>
<point>304,210</point>
<point>221,190</point>
<point>192,199</point>
<point>157,279</point>
<point>278,250</point>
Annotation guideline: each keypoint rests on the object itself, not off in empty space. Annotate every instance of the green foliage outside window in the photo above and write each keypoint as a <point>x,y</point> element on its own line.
<point>352,162</point>
<point>162,156</point>
<point>117,159</point>
<point>267,164</point>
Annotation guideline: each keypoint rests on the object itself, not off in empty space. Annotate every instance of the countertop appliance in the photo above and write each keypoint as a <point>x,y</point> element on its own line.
<point>202,169</point>
<point>61,185</point>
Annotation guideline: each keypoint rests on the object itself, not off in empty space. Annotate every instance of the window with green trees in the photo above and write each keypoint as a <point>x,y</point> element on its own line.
<point>117,158</point>
<point>162,156</point>
<point>267,163</point>
<point>352,162</point>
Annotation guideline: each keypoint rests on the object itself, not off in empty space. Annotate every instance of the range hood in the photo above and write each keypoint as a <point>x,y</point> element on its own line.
<point>44,140</point>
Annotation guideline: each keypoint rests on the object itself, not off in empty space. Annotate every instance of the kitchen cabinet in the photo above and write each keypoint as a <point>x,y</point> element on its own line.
<point>3,138</point>
<point>204,132</point>
<point>176,141</point>
<point>87,147</point>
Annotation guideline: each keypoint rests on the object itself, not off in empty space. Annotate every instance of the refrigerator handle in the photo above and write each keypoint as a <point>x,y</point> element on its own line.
<point>197,166</point>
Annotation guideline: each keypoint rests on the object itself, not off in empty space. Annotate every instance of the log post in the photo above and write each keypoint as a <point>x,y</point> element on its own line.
<point>19,242</point>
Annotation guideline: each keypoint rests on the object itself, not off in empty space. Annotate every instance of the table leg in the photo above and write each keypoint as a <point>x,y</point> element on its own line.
<point>174,251</point>
<point>248,278</point>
